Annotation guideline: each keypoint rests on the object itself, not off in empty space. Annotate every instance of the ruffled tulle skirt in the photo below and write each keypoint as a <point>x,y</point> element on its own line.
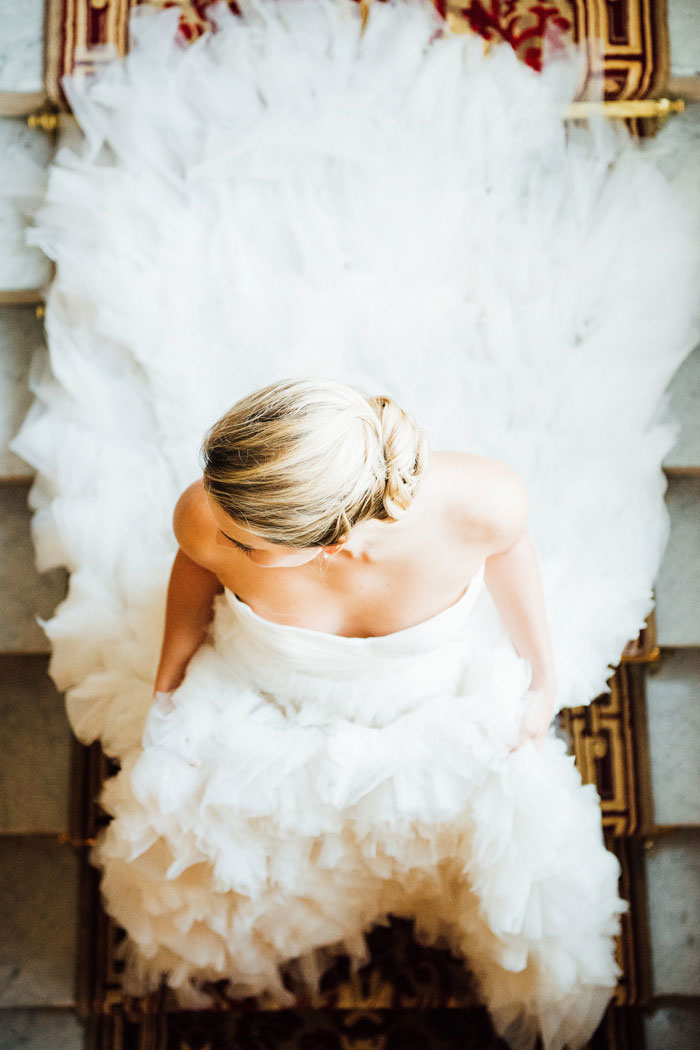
<point>304,786</point>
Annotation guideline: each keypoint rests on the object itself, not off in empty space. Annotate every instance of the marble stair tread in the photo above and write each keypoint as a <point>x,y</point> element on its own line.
<point>673,890</point>
<point>24,593</point>
<point>39,904</point>
<point>673,1028</point>
<point>35,774</point>
<point>678,582</point>
<point>40,1030</point>
<point>21,331</point>
<point>24,157</point>
<point>684,33</point>
<point>21,45</point>
<point>673,701</point>
<point>684,389</point>
<point>22,297</point>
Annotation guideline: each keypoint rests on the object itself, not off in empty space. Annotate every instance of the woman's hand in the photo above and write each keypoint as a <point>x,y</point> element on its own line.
<point>161,706</point>
<point>164,701</point>
<point>537,715</point>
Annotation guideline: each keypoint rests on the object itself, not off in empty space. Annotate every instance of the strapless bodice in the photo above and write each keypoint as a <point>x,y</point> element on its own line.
<point>368,679</point>
<point>440,625</point>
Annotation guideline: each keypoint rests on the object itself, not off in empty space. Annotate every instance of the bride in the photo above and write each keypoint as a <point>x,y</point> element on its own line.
<point>361,645</point>
<point>316,469</point>
<point>336,751</point>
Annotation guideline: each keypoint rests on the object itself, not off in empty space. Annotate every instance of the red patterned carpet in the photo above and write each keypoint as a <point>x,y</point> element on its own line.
<point>628,41</point>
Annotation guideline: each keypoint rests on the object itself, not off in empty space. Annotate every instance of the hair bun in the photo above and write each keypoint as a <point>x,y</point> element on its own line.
<point>406,454</point>
<point>302,461</point>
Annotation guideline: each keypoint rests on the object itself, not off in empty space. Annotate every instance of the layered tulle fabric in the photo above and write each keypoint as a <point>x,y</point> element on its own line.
<point>305,785</point>
<point>287,196</point>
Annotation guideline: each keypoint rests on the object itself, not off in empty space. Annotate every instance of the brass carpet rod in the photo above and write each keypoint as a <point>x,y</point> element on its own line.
<point>632,107</point>
<point>619,108</point>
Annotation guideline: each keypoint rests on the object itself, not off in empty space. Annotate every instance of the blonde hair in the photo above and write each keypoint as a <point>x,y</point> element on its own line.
<point>300,462</point>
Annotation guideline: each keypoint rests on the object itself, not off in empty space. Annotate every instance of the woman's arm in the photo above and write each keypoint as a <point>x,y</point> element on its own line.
<point>188,613</point>
<point>513,579</point>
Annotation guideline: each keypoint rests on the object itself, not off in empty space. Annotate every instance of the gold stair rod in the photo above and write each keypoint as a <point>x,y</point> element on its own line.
<point>74,840</point>
<point>47,120</point>
<point>618,108</point>
<point>632,107</point>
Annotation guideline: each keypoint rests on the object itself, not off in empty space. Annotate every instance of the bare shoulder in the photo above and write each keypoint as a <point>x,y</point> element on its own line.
<point>194,526</point>
<point>484,497</point>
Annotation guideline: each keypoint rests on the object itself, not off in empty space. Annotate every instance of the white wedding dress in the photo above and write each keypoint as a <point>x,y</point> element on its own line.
<point>397,209</point>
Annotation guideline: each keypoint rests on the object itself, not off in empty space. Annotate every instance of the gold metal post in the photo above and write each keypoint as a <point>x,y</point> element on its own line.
<point>72,840</point>
<point>633,107</point>
<point>47,120</point>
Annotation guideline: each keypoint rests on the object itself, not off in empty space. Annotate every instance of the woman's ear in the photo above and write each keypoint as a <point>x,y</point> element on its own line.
<point>333,548</point>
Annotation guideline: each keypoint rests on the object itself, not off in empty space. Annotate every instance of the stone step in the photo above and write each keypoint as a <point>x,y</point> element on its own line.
<point>687,88</point>
<point>21,331</point>
<point>24,593</point>
<point>673,891</point>
<point>39,881</point>
<point>21,46</point>
<point>673,1028</point>
<point>40,1030</point>
<point>22,296</point>
<point>684,388</point>
<point>24,156</point>
<point>35,775</point>
<point>684,33</point>
<point>673,718</point>
<point>678,580</point>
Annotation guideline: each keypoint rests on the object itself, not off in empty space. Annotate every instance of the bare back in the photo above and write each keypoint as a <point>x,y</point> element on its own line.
<point>390,575</point>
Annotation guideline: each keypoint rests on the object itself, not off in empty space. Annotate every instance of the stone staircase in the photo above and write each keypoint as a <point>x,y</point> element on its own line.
<point>41,871</point>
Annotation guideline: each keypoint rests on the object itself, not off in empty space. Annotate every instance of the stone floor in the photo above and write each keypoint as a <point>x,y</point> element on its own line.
<point>40,1029</point>
<point>39,928</point>
<point>673,692</point>
<point>36,749</point>
<point>38,962</point>
<point>673,875</point>
<point>673,1028</point>
<point>20,332</point>
<point>21,45</point>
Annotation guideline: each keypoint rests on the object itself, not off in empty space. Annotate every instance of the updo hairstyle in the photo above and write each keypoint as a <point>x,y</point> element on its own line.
<point>300,462</point>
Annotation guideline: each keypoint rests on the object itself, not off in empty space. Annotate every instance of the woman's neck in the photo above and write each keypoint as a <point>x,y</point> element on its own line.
<point>369,540</point>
